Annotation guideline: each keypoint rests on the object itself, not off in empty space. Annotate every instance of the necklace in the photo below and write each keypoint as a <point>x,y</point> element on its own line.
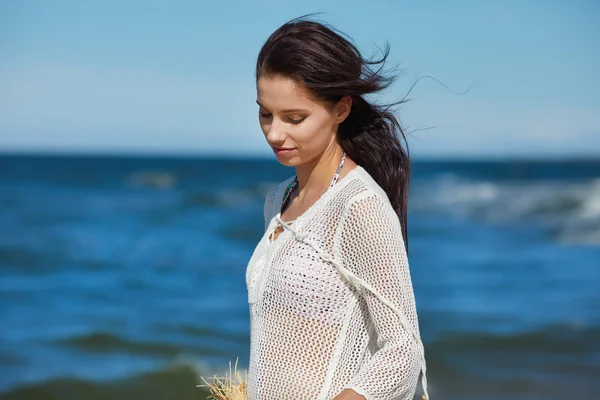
<point>290,188</point>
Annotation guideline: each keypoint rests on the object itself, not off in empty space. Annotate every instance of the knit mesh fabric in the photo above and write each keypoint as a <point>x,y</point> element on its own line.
<point>315,328</point>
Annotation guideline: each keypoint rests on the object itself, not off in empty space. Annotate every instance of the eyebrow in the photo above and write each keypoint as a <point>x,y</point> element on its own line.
<point>285,111</point>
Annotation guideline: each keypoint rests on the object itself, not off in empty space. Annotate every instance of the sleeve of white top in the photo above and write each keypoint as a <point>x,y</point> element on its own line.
<point>373,248</point>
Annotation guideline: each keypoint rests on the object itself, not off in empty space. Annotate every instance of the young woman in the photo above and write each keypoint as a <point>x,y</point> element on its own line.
<point>332,308</point>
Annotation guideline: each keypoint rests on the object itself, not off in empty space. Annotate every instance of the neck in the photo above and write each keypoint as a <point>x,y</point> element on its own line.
<point>315,176</point>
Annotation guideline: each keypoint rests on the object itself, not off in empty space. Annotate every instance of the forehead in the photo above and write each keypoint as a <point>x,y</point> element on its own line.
<point>277,92</point>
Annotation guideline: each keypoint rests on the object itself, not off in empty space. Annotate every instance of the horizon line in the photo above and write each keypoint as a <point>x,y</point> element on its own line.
<point>265,156</point>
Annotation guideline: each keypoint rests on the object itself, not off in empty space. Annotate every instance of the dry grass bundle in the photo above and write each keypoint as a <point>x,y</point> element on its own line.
<point>232,387</point>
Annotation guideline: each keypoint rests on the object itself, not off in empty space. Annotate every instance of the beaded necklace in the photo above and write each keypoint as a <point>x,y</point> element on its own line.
<point>294,183</point>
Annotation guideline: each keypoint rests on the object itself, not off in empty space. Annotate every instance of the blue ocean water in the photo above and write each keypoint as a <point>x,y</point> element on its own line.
<point>124,277</point>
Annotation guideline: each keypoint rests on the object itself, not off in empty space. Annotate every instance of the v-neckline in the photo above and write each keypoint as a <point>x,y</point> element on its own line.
<point>306,212</point>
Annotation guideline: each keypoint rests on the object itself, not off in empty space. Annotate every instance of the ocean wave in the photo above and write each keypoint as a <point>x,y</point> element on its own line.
<point>176,380</point>
<point>229,196</point>
<point>28,260</point>
<point>99,341</point>
<point>154,179</point>
<point>570,209</point>
<point>565,339</point>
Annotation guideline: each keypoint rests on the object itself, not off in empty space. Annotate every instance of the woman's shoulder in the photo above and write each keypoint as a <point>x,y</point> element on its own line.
<point>363,186</point>
<point>366,205</point>
<point>279,188</point>
<point>275,195</point>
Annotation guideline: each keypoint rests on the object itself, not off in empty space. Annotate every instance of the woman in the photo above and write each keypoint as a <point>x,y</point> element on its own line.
<point>332,308</point>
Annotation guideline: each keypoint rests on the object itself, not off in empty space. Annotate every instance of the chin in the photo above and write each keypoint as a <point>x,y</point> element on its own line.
<point>288,161</point>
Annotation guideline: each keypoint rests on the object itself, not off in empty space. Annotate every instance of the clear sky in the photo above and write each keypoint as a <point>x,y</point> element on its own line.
<point>177,76</point>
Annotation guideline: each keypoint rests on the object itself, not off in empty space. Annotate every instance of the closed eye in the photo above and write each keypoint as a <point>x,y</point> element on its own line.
<point>296,121</point>
<point>290,120</point>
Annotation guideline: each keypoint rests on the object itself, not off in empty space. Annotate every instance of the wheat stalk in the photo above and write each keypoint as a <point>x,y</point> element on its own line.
<point>231,387</point>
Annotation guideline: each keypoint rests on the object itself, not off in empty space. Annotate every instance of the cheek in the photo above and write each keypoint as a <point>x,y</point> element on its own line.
<point>312,133</point>
<point>263,127</point>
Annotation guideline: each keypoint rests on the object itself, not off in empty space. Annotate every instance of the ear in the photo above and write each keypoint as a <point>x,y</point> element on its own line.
<point>342,109</point>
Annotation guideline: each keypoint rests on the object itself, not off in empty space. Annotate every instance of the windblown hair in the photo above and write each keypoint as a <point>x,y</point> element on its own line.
<point>330,66</point>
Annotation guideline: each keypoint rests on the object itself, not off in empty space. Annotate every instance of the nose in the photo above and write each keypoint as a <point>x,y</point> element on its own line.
<point>276,134</point>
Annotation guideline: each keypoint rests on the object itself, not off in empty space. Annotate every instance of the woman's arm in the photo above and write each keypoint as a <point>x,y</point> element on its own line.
<point>372,247</point>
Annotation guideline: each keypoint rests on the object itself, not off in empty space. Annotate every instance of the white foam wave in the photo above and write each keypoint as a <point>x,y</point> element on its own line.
<point>156,179</point>
<point>570,208</point>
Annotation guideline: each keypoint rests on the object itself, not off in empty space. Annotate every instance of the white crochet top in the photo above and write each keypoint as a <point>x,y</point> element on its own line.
<point>331,300</point>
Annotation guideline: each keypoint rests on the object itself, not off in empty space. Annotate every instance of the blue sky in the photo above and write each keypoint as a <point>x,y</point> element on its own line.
<point>177,76</point>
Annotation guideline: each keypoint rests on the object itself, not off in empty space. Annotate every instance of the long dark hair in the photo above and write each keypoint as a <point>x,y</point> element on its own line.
<point>330,66</point>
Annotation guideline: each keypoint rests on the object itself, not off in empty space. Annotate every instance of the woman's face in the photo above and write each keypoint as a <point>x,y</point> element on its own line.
<point>297,126</point>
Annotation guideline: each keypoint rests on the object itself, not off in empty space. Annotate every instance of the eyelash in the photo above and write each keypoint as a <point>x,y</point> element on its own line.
<point>292,121</point>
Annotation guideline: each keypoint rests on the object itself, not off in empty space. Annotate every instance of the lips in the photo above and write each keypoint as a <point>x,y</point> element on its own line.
<point>282,150</point>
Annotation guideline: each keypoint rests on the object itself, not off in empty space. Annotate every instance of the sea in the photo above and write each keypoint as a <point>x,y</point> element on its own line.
<point>123,277</point>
